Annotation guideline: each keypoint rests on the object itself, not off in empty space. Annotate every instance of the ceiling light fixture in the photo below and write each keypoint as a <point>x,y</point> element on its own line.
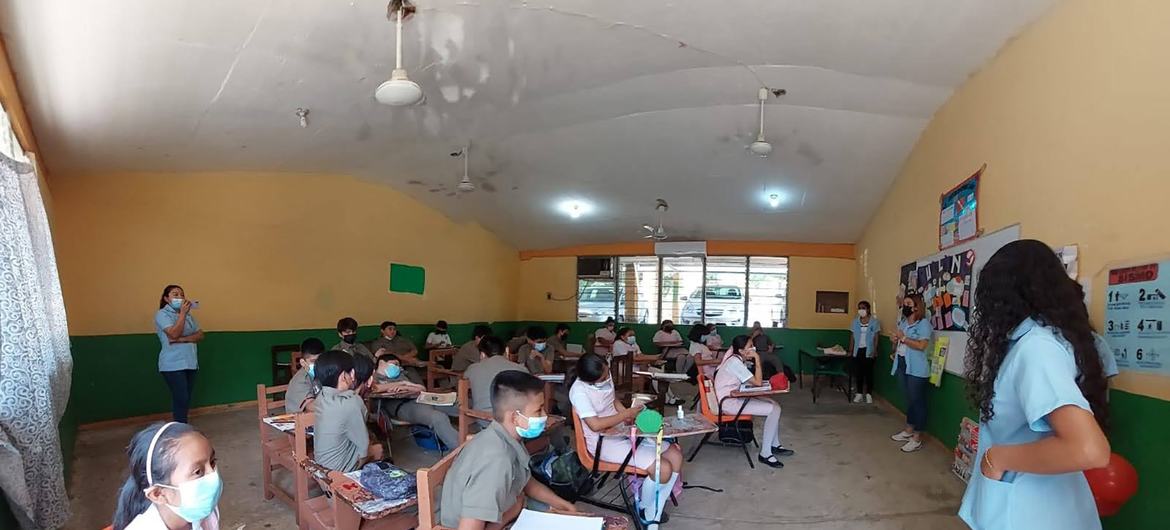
<point>575,208</point>
<point>774,198</point>
<point>399,91</point>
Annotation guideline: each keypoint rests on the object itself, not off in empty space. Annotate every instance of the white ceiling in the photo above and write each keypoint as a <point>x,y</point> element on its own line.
<point>614,102</point>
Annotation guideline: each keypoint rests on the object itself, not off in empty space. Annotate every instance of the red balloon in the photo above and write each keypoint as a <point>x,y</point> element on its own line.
<point>1112,485</point>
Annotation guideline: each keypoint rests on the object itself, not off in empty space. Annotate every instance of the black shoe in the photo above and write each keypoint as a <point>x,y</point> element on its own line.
<point>780,450</point>
<point>771,461</point>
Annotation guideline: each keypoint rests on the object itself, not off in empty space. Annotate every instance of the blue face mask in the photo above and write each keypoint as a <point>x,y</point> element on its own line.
<point>176,303</point>
<point>393,371</point>
<point>535,426</point>
<point>197,498</point>
<point>631,340</point>
<point>312,372</point>
<point>704,338</point>
<point>540,346</point>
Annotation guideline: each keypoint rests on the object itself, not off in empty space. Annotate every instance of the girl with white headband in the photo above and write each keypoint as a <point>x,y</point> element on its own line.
<point>173,484</point>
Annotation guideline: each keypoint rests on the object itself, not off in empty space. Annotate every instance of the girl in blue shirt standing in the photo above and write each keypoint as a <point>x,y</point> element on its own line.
<point>177,361</point>
<point>1034,372</point>
<point>912,369</point>
<point>863,349</point>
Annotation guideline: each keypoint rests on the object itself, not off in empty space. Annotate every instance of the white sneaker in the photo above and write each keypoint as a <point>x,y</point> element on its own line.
<point>902,436</point>
<point>911,446</point>
<point>857,398</point>
<point>869,398</point>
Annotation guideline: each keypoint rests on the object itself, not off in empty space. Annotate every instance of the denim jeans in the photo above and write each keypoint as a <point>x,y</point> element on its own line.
<point>182,385</point>
<point>914,388</point>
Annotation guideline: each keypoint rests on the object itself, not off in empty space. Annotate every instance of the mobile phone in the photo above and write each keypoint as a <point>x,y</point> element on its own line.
<point>194,304</point>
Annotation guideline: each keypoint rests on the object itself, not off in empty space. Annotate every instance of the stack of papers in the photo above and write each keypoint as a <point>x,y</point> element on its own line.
<point>552,378</point>
<point>834,350</point>
<point>439,400</point>
<point>532,520</point>
<point>766,387</point>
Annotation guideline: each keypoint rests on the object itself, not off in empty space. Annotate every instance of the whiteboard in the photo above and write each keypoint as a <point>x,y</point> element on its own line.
<point>984,247</point>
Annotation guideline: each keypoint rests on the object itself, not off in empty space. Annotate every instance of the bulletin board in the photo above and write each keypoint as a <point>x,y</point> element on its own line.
<point>959,212</point>
<point>946,280</point>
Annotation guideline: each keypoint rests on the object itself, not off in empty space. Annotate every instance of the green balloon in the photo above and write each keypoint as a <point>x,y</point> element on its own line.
<point>649,421</point>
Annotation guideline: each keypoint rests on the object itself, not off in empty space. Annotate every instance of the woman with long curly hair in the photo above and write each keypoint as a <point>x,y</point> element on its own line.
<point>1034,372</point>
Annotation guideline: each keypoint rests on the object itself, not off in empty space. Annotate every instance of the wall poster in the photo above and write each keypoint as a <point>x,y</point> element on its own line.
<point>958,219</point>
<point>945,285</point>
<point>1137,324</point>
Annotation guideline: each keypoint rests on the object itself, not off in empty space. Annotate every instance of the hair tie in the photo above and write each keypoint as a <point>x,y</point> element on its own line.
<point>150,452</point>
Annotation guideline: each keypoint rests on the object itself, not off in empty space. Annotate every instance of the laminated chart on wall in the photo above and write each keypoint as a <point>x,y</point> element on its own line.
<point>1137,323</point>
<point>407,279</point>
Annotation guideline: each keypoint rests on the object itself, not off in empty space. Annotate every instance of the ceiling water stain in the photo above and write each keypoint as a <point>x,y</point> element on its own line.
<point>364,132</point>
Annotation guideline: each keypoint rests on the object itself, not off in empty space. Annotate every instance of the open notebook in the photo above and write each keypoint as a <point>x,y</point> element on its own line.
<point>533,520</point>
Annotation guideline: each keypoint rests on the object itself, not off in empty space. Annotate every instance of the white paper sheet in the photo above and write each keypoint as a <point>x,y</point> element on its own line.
<point>532,520</point>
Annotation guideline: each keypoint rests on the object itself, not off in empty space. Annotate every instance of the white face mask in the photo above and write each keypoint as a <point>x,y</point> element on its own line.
<point>862,313</point>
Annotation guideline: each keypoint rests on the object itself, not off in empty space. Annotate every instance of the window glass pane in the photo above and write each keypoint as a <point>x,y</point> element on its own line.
<point>595,300</point>
<point>768,292</point>
<point>637,280</point>
<point>682,279</point>
<point>726,279</point>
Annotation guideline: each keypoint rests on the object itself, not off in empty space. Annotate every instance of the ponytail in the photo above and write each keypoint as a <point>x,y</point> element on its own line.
<point>132,500</point>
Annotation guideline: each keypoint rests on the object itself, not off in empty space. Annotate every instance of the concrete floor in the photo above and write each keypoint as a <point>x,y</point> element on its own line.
<point>846,474</point>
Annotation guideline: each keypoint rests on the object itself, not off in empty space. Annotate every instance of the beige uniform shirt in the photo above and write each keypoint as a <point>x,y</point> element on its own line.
<point>468,355</point>
<point>481,374</point>
<point>299,388</point>
<point>486,479</point>
<point>399,345</point>
<point>356,348</point>
<point>340,439</point>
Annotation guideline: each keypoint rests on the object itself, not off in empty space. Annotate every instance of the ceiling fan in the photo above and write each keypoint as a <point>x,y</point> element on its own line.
<point>399,90</point>
<point>761,146</point>
<point>657,233</point>
<point>465,185</point>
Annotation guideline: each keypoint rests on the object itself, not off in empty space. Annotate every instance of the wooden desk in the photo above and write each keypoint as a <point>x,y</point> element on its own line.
<point>363,501</point>
<point>672,427</point>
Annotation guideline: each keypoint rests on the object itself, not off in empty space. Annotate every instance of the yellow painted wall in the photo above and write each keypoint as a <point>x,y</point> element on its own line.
<point>1071,119</point>
<point>266,251</point>
<point>805,277</point>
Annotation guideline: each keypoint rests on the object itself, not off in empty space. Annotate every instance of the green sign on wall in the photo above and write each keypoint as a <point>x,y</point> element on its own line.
<point>407,278</point>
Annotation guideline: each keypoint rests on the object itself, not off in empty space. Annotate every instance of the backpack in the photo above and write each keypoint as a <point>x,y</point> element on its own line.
<point>563,473</point>
<point>388,481</point>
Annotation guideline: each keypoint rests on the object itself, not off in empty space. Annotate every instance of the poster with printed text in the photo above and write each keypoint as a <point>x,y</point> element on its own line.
<point>1137,324</point>
<point>945,286</point>
<point>958,219</point>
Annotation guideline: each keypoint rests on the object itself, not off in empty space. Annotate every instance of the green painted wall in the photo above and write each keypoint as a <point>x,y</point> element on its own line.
<point>1140,430</point>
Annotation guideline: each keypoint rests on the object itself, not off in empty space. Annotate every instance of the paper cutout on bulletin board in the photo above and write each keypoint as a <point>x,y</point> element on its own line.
<point>958,219</point>
<point>1068,258</point>
<point>1137,317</point>
<point>938,359</point>
<point>407,279</point>
<point>945,285</point>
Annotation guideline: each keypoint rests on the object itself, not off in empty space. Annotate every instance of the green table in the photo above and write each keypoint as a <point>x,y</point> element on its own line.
<point>824,364</point>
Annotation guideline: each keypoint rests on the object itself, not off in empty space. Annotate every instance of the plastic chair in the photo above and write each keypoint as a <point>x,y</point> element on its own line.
<point>712,409</point>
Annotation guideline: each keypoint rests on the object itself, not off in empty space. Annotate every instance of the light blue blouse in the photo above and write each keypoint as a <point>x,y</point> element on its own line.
<point>174,357</point>
<point>916,363</point>
<point>870,345</point>
<point>1038,376</point>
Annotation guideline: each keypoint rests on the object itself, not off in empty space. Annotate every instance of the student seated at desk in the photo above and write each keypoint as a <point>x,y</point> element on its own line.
<point>173,481</point>
<point>438,338</point>
<point>699,351</point>
<point>301,387</point>
<point>533,353</point>
<point>733,372</point>
<point>340,439</point>
<point>347,330</point>
<point>669,341</point>
<point>469,353</point>
<point>391,342</point>
<point>491,474</point>
<point>390,378</point>
<point>481,374</point>
<point>627,344</point>
<point>713,341</point>
<point>593,399</point>
<point>558,343</point>
<point>605,337</point>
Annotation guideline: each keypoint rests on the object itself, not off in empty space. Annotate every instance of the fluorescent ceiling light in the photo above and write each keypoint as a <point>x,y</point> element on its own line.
<point>774,198</point>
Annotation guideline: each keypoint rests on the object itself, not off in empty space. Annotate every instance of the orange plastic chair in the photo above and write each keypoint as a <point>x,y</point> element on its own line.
<point>712,409</point>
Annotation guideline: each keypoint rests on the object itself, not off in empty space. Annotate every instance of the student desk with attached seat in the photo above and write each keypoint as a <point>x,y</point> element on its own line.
<point>824,364</point>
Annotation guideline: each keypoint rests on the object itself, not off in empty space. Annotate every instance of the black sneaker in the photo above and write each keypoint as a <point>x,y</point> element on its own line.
<point>780,450</point>
<point>771,461</point>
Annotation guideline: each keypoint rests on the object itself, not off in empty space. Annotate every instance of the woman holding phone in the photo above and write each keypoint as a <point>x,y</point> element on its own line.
<point>178,332</point>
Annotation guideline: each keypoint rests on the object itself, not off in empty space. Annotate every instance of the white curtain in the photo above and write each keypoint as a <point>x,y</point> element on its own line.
<point>35,365</point>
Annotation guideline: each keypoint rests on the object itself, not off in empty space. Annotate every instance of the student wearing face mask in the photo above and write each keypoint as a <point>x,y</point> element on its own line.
<point>863,346</point>
<point>733,372</point>
<point>391,378</point>
<point>714,340</point>
<point>490,477</point>
<point>468,353</point>
<point>347,330</point>
<point>302,386</point>
<point>173,481</point>
<point>558,343</point>
<point>605,337</point>
<point>912,369</point>
<point>532,354</point>
<point>668,340</point>
<point>438,338</point>
<point>699,350</point>
<point>480,375</point>
<point>178,332</point>
<point>341,441</point>
<point>595,403</point>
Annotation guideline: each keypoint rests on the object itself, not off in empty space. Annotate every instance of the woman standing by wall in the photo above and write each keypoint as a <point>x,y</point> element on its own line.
<point>1036,376</point>
<point>178,332</point>
<point>912,369</point>
<point>863,348</point>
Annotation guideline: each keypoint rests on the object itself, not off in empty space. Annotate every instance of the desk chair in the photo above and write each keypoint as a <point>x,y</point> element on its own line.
<point>595,492</point>
<point>712,409</point>
<point>436,370</point>
<point>276,448</point>
<point>282,371</point>
<point>430,483</point>
<point>699,365</point>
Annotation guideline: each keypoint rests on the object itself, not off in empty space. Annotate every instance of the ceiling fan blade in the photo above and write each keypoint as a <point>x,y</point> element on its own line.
<point>648,228</point>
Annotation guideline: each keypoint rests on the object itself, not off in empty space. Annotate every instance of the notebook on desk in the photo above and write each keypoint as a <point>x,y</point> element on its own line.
<point>747,387</point>
<point>533,520</point>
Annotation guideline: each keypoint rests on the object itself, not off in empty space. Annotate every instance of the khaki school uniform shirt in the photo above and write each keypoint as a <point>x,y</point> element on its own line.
<point>481,374</point>
<point>399,345</point>
<point>467,355</point>
<point>524,355</point>
<point>299,388</point>
<point>340,439</point>
<point>556,348</point>
<point>486,479</point>
<point>356,348</point>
